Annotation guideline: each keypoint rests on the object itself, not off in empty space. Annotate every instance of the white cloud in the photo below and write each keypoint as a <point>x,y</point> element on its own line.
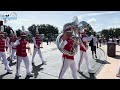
<point>92,21</point>
<point>95,14</point>
<point>97,27</point>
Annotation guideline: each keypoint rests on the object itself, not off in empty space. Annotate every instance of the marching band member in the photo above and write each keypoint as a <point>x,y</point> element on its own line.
<point>11,40</point>
<point>21,53</point>
<point>37,42</point>
<point>2,52</point>
<point>83,52</point>
<point>68,61</point>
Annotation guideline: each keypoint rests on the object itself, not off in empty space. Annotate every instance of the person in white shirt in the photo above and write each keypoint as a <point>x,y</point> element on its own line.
<point>94,45</point>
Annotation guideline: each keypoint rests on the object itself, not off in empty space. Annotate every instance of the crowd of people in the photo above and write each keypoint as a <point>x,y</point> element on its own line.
<point>106,40</point>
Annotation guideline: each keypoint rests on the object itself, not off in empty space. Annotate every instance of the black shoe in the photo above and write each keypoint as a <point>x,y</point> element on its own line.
<point>17,76</point>
<point>95,56</point>
<point>44,63</point>
<point>9,59</point>
<point>29,75</point>
<point>8,72</point>
<point>33,62</point>
<point>79,71</point>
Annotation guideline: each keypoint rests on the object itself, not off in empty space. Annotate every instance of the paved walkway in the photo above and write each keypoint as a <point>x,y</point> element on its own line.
<point>46,47</point>
<point>109,70</point>
<point>51,71</point>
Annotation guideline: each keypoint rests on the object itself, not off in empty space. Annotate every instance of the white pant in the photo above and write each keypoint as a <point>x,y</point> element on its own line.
<point>39,52</point>
<point>82,56</point>
<point>68,63</point>
<point>12,54</point>
<point>10,49</point>
<point>5,61</point>
<point>26,62</point>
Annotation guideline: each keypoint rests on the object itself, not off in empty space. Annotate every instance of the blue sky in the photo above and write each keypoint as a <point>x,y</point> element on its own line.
<point>97,19</point>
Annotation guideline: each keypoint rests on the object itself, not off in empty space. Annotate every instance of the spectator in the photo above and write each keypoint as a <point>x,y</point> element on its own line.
<point>103,40</point>
<point>100,41</point>
<point>47,40</point>
<point>50,40</point>
<point>94,43</point>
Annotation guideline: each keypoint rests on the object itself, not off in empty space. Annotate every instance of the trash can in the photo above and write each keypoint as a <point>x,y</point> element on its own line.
<point>111,49</point>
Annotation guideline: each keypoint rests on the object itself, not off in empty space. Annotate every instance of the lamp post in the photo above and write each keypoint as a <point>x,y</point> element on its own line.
<point>113,36</point>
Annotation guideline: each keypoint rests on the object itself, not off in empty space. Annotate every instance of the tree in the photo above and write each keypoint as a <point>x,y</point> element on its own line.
<point>7,30</point>
<point>111,32</point>
<point>90,31</point>
<point>105,33</point>
<point>46,29</point>
<point>32,29</point>
<point>18,32</point>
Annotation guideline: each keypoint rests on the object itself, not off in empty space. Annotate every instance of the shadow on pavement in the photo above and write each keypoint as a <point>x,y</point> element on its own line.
<point>36,69</point>
<point>91,76</point>
<point>117,57</point>
<point>1,76</point>
<point>117,51</point>
<point>102,61</point>
<point>84,75</point>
